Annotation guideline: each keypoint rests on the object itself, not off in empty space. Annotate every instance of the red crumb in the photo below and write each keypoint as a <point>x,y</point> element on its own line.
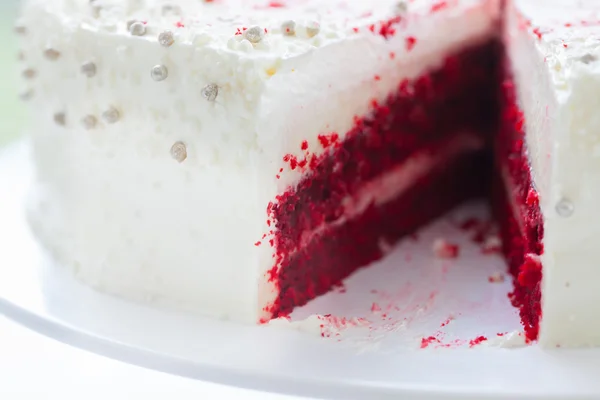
<point>469,224</point>
<point>425,342</point>
<point>375,307</point>
<point>180,24</point>
<point>377,77</point>
<point>496,278</point>
<point>410,42</point>
<point>304,145</point>
<point>440,5</point>
<point>477,340</point>
<point>387,28</point>
<point>447,321</point>
<point>444,249</point>
<point>341,288</point>
<point>392,55</point>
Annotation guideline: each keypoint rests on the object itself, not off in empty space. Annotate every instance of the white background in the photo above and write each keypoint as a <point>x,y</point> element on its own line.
<point>35,367</point>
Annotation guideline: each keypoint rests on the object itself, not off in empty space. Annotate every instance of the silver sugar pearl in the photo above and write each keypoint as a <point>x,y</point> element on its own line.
<point>159,73</point>
<point>51,54</point>
<point>254,34</point>
<point>60,118</point>
<point>210,92</point>
<point>89,122</point>
<point>288,28</point>
<point>89,69</point>
<point>137,28</point>
<point>588,58</point>
<point>565,208</point>
<point>179,152</point>
<point>111,116</point>
<point>166,38</point>
<point>312,29</point>
<point>20,29</point>
<point>401,7</point>
<point>29,73</point>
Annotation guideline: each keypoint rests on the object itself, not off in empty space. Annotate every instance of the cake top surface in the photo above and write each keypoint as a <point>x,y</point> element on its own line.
<point>567,34</point>
<point>283,27</point>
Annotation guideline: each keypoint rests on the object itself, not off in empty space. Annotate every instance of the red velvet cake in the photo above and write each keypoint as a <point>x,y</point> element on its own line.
<point>240,158</point>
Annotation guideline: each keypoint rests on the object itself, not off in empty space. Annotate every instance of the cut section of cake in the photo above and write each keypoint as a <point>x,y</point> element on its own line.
<point>550,169</point>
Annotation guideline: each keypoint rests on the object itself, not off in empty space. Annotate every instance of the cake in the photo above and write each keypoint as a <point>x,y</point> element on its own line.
<point>240,158</point>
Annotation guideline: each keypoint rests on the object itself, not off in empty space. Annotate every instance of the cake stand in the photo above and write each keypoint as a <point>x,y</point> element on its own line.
<point>413,326</point>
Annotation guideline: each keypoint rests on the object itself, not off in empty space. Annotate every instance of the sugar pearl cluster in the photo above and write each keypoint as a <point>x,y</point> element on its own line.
<point>256,37</point>
<point>169,24</point>
<point>159,73</point>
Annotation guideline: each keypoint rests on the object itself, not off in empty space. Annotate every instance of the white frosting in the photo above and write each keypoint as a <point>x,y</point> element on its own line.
<point>559,94</point>
<point>131,220</point>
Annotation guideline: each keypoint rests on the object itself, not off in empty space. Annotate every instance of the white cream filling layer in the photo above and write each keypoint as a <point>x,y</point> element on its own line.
<point>392,184</point>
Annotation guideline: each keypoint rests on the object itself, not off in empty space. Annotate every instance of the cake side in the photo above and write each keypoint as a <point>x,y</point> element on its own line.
<point>158,155</point>
<point>144,185</point>
<point>554,54</point>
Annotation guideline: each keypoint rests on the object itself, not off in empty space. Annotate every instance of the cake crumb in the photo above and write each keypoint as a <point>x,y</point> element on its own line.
<point>476,341</point>
<point>496,278</point>
<point>425,342</point>
<point>375,308</point>
<point>447,321</point>
<point>491,245</point>
<point>444,249</point>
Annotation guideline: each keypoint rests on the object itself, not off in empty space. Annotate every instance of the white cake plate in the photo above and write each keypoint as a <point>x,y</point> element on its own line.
<point>372,341</point>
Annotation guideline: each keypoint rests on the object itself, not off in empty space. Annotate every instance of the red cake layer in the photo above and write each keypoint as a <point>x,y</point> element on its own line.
<point>421,116</point>
<point>517,209</point>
